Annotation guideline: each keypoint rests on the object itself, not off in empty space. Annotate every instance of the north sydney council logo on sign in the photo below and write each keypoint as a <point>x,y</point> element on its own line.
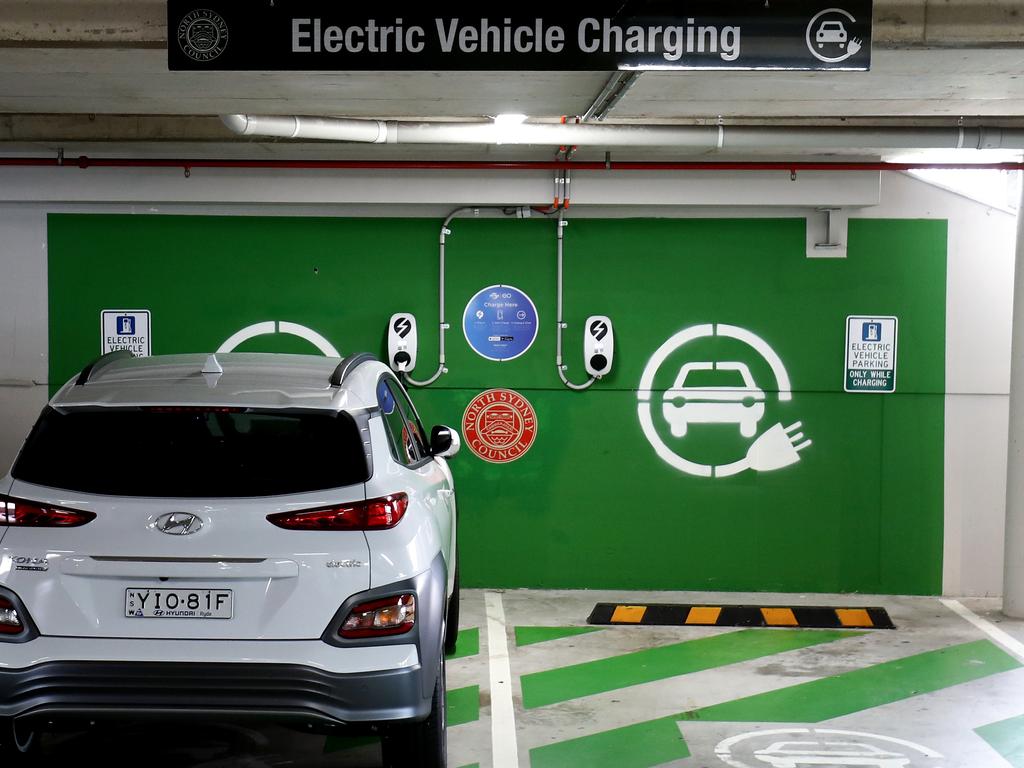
<point>499,425</point>
<point>203,35</point>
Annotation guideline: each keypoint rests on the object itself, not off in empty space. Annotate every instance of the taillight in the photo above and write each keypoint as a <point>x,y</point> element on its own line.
<point>386,511</point>
<point>10,621</point>
<point>378,618</point>
<point>33,515</point>
<point>370,515</point>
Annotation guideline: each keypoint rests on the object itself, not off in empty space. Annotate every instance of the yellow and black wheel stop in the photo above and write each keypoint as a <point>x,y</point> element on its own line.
<point>816,617</point>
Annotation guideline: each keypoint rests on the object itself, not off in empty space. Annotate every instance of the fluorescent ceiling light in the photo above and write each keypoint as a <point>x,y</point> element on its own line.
<point>954,156</point>
<point>509,119</point>
<point>506,127</point>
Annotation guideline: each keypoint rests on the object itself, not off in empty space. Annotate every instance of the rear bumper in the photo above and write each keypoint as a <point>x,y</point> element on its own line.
<point>277,691</point>
<point>328,682</point>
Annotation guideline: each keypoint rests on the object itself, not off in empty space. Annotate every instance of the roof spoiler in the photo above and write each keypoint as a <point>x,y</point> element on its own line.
<point>348,365</point>
<point>99,364</point>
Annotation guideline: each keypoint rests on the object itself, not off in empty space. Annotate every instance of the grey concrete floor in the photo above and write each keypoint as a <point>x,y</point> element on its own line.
<point>990,608</point>
<point>918,694</point>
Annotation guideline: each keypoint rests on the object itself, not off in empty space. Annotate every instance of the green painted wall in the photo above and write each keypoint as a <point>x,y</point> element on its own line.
<point>591,504</point>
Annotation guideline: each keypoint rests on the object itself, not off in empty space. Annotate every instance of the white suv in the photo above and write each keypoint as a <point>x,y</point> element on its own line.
<point>233,535</point>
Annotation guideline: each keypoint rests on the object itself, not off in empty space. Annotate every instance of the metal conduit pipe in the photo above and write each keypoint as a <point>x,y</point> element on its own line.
<point>443,324</point>
<point>588,134</point>
<point>562,223</point>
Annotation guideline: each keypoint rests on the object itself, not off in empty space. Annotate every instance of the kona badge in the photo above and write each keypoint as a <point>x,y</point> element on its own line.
<point>31,563</point>
<point>178,523</point>
<point>500,425</point>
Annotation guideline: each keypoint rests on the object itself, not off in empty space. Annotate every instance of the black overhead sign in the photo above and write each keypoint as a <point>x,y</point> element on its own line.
<point>332,35</point>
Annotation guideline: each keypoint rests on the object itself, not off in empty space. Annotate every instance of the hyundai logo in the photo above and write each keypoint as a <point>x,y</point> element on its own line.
<point>178,523</point>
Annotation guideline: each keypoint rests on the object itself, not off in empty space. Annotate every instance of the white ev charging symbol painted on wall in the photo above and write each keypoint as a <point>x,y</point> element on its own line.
<point>270,327</point>
<point>683,405</point>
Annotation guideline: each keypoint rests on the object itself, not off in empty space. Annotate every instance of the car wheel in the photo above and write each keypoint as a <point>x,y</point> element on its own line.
<point>421,745</point>
<point>748,428</point>
<point>821,45</point>
<point>678,428</point>
<point>18,745</point>
<point>451,632</point>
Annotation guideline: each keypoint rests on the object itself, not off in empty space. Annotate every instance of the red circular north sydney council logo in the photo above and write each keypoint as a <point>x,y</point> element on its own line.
<point>499,425</point>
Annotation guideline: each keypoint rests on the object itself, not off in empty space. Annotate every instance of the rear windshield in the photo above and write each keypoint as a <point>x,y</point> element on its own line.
<point>192,452</point>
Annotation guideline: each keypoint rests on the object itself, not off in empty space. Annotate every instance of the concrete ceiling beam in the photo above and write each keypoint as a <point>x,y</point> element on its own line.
<point>63,129</point>
<point>83,22</point>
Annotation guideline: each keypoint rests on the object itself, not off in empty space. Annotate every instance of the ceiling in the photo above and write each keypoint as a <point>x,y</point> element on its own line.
<point>907,83</point>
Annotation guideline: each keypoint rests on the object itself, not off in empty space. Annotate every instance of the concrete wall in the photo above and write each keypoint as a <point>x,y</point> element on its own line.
<point>979,297</point>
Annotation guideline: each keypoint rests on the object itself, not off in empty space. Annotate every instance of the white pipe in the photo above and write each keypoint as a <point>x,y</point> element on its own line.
<point>295,127</point>
<point>589,134</point>
<point>442,324</point>
<point>561,325</point>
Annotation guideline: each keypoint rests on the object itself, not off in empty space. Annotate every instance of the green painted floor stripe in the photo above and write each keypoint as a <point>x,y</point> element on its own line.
<point>531,635</point>
<point>464,705</point>
<point>467,645</point>
<point>636,746</point>
<point>861,689</point>
<point>1007,738</point>
<point>551,686</point>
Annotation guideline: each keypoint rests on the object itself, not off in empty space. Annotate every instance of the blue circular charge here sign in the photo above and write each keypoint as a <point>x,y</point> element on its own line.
<point>500,322</point>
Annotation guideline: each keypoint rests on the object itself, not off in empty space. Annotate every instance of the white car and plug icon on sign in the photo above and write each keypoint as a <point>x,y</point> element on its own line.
<point>730,404</point>
<point>830,36</point>
<point>831,32</point>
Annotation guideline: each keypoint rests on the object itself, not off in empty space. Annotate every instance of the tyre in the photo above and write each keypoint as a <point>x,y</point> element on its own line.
<point>18,745</point>
<point>451,632</point>
<point>424,744</point>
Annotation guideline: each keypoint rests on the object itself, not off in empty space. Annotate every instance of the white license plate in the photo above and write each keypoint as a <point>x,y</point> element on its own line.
<point>144,603</point>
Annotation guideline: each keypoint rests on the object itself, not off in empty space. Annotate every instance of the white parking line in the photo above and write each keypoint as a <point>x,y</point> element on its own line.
<point>505,753</point>
<point>1012,646</point>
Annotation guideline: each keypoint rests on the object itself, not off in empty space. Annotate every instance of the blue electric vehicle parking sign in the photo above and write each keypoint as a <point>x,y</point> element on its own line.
<point>126,329</point>
<point>500,322</point>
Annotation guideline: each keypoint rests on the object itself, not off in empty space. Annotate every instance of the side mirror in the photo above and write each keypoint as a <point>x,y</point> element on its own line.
<point>444,441</point>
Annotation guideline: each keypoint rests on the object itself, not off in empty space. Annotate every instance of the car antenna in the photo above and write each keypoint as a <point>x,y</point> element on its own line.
<point>213,366</point>
<point>212,371</point>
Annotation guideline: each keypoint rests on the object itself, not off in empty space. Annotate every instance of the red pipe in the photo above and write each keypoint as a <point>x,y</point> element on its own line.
<point>476,165</point>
